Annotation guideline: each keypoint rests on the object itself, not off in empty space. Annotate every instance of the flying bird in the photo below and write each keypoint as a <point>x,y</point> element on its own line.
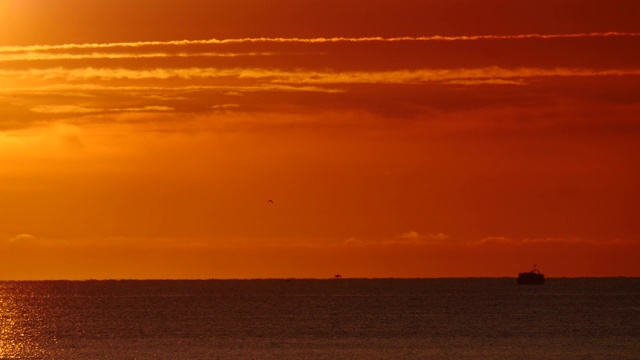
<point>269,201</point>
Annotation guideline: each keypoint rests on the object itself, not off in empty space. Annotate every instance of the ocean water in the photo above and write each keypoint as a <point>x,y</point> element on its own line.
<point>321,319</point>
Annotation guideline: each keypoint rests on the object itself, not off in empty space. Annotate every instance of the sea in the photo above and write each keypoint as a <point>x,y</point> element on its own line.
<point>475,318</point>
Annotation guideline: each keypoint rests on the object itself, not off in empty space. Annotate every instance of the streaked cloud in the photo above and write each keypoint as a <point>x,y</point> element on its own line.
<point>225,106</point>
<point>492,75</point>
<point>70,109</point>
<point>469,76</point>
<point>486,82</point>
<point>503,240</point>
<point>13,49</point>
<point>88,90</point>
<point>35,56</point>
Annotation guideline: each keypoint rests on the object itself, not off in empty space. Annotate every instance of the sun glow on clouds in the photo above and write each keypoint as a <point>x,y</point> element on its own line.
<point>154,157</point>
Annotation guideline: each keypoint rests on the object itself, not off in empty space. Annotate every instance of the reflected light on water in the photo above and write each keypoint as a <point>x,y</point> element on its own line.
<point>26,330</point>
<point>320,319</point>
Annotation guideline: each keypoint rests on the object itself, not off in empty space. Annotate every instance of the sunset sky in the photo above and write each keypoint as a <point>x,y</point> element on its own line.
<point>396,138</point>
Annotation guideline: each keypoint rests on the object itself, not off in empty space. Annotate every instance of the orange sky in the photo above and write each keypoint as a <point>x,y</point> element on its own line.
<point>142,139</point>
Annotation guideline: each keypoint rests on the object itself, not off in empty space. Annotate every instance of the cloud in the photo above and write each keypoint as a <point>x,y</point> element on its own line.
<point>138,44</point>
<point>468,76</point>
<point>465,76</point>
<point>414,238</point>
<point>225,106</point>
<point>404,242</point>
<point>414,235</point>
<point>353,242</point>
<point>69,109</point>
<point>485,82</point>
<point>409,235</point>
<point>91,90</point>
<point>503,240</point>
<point>411,238</point>
<point>35,56</point>
<point>438,236</point>
<point>21,239</point>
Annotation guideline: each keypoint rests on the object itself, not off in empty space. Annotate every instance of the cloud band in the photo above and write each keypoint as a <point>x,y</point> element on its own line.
<point>35,48</point>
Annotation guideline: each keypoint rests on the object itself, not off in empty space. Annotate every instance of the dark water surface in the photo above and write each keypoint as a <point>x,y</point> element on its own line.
<point>321,319</point>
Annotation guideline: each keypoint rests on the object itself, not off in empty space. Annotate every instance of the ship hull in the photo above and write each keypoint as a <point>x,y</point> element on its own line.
<point>530,279</point>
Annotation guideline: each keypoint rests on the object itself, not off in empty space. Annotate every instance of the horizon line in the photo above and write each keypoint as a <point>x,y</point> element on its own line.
<point>319,278</point>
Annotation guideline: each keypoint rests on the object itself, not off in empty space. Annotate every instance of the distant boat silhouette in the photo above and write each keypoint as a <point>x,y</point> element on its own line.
<point>533,277</point>
<point>338,276</point>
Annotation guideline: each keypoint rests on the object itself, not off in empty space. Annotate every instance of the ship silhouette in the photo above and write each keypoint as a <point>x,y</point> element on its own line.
<point>533,277</point>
